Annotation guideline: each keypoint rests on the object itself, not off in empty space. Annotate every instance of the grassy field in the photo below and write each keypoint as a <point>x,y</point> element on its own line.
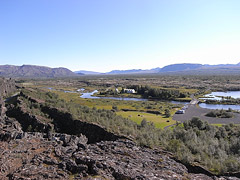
<point>159,120</point>
<point>139,107</point>
<point>219,125</point>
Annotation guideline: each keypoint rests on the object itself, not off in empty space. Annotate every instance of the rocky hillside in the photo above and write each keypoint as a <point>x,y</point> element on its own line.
<point>34,156</point>
<point>26,155</point>
<point>30,71</point>
<point>65,154</point>
<point>7,86</point>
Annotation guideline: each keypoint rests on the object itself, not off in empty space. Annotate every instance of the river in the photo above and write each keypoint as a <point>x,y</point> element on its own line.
<point>234,94</point>
<point>219,106</point>
<point>89,95</point>
<point>213,95</point>
<point>221,95</point>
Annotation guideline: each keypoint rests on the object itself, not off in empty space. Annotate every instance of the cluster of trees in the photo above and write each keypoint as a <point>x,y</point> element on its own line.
<point>220,114</point>
<point>158,93</point>
<point>109,92</point>
<point>216,148</point>
<point>223,101</point>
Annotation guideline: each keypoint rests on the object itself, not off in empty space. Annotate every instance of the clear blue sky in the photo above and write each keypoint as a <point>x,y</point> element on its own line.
<point>102,35</point>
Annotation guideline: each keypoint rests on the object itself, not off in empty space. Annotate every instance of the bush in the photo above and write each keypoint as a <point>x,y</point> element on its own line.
<point>167,113</point>
<point>220,114</point>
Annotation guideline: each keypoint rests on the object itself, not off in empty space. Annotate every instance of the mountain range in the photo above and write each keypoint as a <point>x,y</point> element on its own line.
<point>31,71</point>
<point>183,68</point>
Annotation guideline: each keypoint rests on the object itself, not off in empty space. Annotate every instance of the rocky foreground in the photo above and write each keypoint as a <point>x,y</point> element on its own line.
<point>39,155</point>
<point>34,156</point>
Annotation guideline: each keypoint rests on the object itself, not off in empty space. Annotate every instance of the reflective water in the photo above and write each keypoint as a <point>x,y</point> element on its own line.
<point>219,106</point>
<point>219,95</point>
<point>234,94</point>
<point>90,96</point>
<point>79,90</point>
<point>202,105</point>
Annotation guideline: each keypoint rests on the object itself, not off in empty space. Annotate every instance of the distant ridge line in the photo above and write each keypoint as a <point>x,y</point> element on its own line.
<point>34,71</point>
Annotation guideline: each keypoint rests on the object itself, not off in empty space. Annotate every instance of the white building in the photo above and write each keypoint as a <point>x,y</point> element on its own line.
<point>116,90</point>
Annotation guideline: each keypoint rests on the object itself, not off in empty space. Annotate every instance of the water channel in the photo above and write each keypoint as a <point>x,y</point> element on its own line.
<point>90,96</point>
<point>220,96</point>
<point>213,95</point>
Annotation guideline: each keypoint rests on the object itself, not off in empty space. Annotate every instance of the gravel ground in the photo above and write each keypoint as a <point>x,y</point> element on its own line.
<point>196,111</point>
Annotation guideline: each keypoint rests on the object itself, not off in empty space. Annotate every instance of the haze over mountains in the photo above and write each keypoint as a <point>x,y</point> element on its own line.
<point>32,71</point>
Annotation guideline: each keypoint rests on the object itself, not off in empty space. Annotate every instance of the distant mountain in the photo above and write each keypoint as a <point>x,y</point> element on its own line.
<point>87,72</point>
<point>222,65</point>
<point>134,71</point>
<point>199,69</point>
<point>209,71</point>
<point>31,71</point>
<point>131,71</point>
<point>186,68</point>
<point>169,68</point>
<point>180,67</point>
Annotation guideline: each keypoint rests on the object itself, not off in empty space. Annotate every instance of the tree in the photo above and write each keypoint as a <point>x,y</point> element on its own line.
<point>143,122</point>
<point>197,122</point>
<point>115,108</point>
<point>167,113</point>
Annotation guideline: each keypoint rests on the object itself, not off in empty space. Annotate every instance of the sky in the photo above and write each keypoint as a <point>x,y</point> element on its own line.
<point>105,35</point>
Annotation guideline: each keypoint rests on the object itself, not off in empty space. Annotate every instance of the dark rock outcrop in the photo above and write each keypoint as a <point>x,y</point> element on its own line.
<point>35,157</point>
<point>66,156</point>
<point>64,123</point>
<point>7,86</point>
<point>58,121</point>
<point>27,120</point>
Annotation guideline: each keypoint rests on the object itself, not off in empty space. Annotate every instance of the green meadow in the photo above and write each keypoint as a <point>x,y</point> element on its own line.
<point>133,110</point>
<point>158,120</point>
